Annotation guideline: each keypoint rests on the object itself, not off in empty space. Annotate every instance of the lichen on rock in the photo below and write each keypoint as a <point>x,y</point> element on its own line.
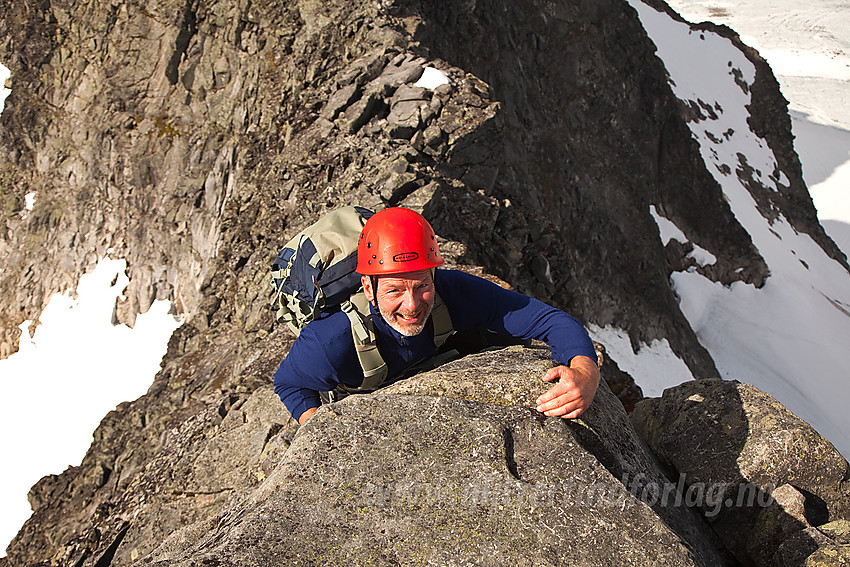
<point>435,469</point>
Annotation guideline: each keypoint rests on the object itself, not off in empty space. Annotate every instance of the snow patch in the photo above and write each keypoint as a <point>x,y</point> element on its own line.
<point>4,92</point>
<point>432,78</point>
<point>702,256</point>
<point>29,200</point>
<point>654,367</point>
<point>75,368</point>
<point>668,231</point>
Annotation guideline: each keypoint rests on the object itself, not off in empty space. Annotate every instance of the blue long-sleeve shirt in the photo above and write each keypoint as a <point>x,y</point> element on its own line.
<point>324,357</point>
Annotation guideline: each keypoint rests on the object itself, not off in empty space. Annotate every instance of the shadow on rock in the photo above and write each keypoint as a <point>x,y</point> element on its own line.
<point>773,489</point>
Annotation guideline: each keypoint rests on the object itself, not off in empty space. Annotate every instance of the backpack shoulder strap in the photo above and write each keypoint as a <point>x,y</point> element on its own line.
<point>442,321</point>
<point>365,341</point>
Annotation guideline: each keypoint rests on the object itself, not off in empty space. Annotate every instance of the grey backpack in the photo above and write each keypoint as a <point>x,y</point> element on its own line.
<point>315,273</point>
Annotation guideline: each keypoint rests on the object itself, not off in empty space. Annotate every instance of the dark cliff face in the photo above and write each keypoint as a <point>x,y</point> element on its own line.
<point>193,138</point>
<point>590,137</point>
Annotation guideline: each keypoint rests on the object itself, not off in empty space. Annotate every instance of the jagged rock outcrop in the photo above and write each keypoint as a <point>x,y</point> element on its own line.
<point>189,138</point>
<point>734,437</point>
<point>193,138</point>
<point>769,119</point>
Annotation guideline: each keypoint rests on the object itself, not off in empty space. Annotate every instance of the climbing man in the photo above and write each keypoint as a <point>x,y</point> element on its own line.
<point>397,258</point>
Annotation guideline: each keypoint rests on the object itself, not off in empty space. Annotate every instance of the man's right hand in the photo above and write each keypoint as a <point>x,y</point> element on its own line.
<point>306,415</point>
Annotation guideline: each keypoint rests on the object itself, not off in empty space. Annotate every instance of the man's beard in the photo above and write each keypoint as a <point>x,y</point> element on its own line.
<point>406,330</point>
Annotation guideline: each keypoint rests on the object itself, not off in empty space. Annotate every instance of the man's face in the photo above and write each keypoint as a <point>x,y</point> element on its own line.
<point>404,300</point>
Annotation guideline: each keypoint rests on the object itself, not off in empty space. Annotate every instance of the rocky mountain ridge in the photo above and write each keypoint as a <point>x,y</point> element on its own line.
<point>193,138</point>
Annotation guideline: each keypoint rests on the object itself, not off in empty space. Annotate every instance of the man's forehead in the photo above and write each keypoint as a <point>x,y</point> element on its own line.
<point>407,277</point>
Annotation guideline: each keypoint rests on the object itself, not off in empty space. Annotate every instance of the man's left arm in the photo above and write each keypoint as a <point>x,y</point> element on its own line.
<point>574,391</point>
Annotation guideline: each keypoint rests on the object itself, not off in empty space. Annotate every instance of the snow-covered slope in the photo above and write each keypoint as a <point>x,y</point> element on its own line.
<point>807,44</point>
<point>4,92</point>
<point>790,337</point>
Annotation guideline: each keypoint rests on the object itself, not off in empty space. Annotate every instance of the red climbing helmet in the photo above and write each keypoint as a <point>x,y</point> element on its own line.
<point>394,241</point>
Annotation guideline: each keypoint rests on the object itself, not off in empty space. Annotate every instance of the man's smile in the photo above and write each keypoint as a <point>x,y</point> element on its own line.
<point>408,318</point>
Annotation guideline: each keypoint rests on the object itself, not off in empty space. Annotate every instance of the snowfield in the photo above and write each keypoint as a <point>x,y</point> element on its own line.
<point>74,370</point>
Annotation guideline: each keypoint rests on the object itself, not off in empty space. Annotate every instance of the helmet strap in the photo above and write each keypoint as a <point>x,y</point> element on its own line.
<point>374,280</point>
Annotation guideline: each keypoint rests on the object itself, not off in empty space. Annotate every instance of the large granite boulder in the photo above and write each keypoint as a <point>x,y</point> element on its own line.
<point>454,467</point>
